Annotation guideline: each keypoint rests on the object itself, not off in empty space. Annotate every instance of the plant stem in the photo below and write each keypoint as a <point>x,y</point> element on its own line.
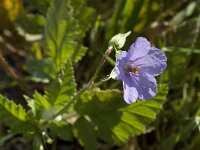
<point>107,53</point>
<point>89,85</point>
<point>101,81</point>
<point>10,71</point>
<point>65,107</point>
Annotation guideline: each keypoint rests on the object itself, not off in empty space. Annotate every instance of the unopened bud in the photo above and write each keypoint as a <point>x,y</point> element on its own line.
<point>119,40</point>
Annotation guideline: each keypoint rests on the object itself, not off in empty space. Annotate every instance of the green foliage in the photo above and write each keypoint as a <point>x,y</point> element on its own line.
<point>124,12</point>
<point>63,88</point>
<point>185,13</point>
<point>58,94</point>
<point>84,131</point>
<point>184,21</point>
<point>65,27</point>
<point>114,120</point>
<point>62,130</point>
<point>181,135</point>
<point>13,115</point>
<point>41,6</point>
<point>36,22</point>
<point>100,115</point>
<point>41,70</point>
<point>40,104</point>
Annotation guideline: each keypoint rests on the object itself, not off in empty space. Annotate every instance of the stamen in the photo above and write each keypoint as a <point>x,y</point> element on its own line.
<point>129,67</point>
<point>135,70</point>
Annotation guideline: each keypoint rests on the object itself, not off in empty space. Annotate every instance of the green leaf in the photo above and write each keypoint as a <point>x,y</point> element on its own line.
<point>142,11</point>
<point>40,103</point>
<point>114,119</point>
<point>185,13</point>
<point>63,88</point>
<point>197,121</point>
<point>178,36</point>
<point>67,22</point>
<point>62,130</point>
<point>32,24</point>
<point>184,132</point>
<point>85,133</point>
<point>13,115</point>
<point>41,70</point>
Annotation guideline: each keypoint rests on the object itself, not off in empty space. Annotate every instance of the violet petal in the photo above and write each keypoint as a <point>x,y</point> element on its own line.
<point>153,63</point>
<point>138,49</point>
<point>130,93</point>
<point>146,85</point>
<point>119,65</point>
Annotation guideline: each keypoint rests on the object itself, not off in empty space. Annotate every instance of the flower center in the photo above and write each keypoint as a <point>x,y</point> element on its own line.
<point>129,67</point>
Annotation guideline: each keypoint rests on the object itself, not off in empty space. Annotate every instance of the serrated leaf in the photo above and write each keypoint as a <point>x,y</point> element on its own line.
<point>40,103</point>
<point>115,120</point>
<point>137,115</point>
<point>63,88</point>
<point>65,26</point>
<point>85,133</point>
<point>13,115</point>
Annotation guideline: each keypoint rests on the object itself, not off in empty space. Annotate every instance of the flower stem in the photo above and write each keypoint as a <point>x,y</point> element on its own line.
<point>89,85</point>
<point>101,81</point>
<point>107,53</point>
<point>74,99</point>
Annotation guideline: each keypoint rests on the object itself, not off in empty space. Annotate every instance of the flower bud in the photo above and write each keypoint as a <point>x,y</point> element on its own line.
<point>119,40</point>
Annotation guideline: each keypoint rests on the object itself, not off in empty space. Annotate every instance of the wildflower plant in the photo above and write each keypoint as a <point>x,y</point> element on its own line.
<point>137,68</point>
<point>89,113</point>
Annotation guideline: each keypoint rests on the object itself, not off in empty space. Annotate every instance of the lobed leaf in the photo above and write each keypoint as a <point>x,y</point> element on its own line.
<point>116,121</point>
<point>85,133</point>
<point>65,27</point>
<point>63,88</point>
<point>13,115</point>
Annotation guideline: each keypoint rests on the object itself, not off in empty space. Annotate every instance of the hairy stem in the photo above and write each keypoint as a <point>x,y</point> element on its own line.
<point>107,53</point>
<point>74,99</point>
<point>89,85</point>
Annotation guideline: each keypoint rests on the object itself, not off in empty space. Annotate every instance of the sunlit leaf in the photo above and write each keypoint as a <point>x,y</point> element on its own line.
<point>67,22</point>
<point>63,88</point>
<point>13,115</point>
<point>114,119</point>
<point>85,133</point>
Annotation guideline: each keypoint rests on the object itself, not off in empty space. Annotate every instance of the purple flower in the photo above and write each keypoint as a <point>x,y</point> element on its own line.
<point>137,69</point>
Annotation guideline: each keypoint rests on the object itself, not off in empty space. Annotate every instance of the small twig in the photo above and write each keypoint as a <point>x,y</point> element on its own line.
<point>10,71</point>
<point>11,48</point>
<point>13,75</point>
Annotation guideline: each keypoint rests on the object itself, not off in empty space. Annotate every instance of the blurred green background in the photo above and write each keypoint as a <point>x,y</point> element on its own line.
<point>171,25</point>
